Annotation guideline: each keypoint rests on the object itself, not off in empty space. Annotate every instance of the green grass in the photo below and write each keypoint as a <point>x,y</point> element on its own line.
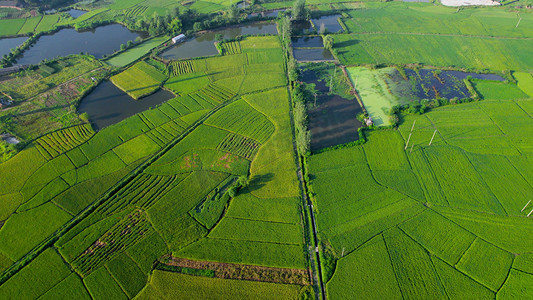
<point>127,274</point>
<point>239,117</point>
<point>434,50</point>
<point>459,285</point>
<point>188,83</point>
<point>167,284</point>
<point>246,252</point>
<point>25,230</point>
<point>48,22</point>
<point>524,262</point>
<point>474,263</point>
<point>135,149</point>
<point>246,206</point>
<point>413,268</point>
<point>10,26</point>
<point>525,82</point>
<point>139,80</point>
<point>103,165</point>
<point>132,54</point>
<point>40,275</point>
<point>367,271</point>
<point>30,25</point>
<point>440,236</point>
<point>260,231</point>
<point>147,251</point>
<point>101,285</point>
<point>70,287</point>
<point>495,90</point>
<point>517,285</point>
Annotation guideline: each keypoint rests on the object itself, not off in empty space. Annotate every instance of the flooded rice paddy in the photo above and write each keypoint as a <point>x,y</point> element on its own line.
<point>333,121</point>
<point>204,44</point>
<point>107,104</point>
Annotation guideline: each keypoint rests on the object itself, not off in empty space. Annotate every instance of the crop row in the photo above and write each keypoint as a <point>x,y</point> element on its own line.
<point>231,48</point>
<point>141,192</point>
<point>122,235</point>
<point>55,143</point>
<point>135,11</point>
<point>239,117</point>
<point>217,92</point>
<point>181,67</point>
<point>239,145</point>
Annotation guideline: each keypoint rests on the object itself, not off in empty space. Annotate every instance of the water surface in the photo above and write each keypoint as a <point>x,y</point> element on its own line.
<point>204,44</point>
<point>316,54</point>
<point>333,121</point>
<point>9,43</point>
<point>107,104</point>
<point>101,41</point>
<point>329,23</point>
<point>76,13</point>
<point>307,41</point>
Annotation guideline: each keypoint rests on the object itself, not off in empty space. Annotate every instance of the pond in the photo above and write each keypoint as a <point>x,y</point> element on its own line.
<point>307,42</point>
<point>328,23</point>
<point>266,14</point>
<point>9,43</point>
<point>316,54</point>
<point>107,104</point>
<point>76,13</point>
<point>204,44</point>
<point>430,84</point>
<point>101,41</point>
<point>333,121</point>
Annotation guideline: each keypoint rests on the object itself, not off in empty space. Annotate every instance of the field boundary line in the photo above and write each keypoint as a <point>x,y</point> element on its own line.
<point>51,239</point>
<point>441,34</point>
<point>429,258</point>
<point>252,241</point>
<point>477,236</point>
<point>391,263</point>
<point>255,220</point>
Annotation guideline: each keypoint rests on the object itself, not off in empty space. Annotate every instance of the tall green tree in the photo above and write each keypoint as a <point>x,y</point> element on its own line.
<point>298,10</point>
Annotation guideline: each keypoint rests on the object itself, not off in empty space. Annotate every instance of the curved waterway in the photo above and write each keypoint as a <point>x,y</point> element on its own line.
<point>101,41</point>
<point>107,104</point>
<point>204,44</point>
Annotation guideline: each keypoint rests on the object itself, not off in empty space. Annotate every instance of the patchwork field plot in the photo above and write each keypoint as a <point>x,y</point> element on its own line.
<point>468,213</point>
<point>161,182</point>
<point>139,80</point>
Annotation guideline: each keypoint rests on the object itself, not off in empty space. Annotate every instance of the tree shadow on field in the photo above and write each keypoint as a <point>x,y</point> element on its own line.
<point>347,43</point>
<point>258,181</point>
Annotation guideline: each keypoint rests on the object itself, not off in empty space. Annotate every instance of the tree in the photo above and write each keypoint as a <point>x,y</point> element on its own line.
<point>84,117</point>
<point>298,10</point>
<point>175,26</point>
<point>328,42</point>
<point>233,12</point>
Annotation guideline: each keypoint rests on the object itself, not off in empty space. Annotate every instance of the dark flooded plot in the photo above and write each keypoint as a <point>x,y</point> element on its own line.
<point>9,43</point>
<point>301,27</point>
<point>328,23</point>
<point>204,44</point>
<point>307,41</point>
<point>76,13</point>
<point>107,104</point>
<point>101,41</point>
<point>333,121</point>
<point>430,84</point>
<point>317,54</point>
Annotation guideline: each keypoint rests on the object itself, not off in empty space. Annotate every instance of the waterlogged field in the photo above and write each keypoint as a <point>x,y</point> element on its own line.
<point>111,203</point>
<point>422,221</point>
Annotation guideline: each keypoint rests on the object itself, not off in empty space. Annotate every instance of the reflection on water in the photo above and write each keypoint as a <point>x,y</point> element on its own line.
<point>328,23</point>
<point>107,104</point>
<point>316,54</point>
<point>76,13</point>
<point>333,121</point>
<point>203,44</point>
<point>101,41</point>
<point>9,43</point>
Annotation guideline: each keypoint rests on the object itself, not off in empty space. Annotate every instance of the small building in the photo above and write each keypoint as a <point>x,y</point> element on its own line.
<point>178,38</point>
<point>369,122</point>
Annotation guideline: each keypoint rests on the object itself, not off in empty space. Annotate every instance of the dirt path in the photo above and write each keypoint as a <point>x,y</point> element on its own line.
<point>245,272</point>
